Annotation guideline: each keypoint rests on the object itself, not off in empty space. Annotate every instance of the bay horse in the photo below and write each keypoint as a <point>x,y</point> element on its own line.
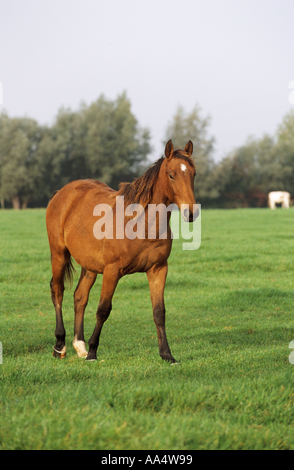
<point>70,222</point>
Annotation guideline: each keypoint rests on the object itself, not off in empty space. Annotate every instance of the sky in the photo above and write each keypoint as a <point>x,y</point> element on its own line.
<point>234,58</point>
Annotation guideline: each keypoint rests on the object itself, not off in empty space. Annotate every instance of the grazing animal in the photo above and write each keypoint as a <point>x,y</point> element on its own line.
<point>70,220</point>
<point>279,197</point>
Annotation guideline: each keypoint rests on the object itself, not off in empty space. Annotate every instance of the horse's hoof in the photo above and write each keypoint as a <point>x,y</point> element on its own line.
<point>169,359</point>
<point>80,347</point>
<point>59,354</point>
<point>90,358</point>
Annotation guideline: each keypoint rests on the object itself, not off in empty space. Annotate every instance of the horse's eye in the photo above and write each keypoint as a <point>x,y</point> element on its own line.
<point>171,177</point>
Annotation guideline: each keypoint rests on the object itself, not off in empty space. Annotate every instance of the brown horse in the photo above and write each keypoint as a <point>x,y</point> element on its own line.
<point>70,220</point>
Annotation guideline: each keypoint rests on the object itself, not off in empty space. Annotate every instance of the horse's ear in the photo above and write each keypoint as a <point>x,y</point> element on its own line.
<point>169,148</point>
<point>189,148</point>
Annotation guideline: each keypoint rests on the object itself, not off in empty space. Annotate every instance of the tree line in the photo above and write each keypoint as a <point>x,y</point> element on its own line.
<point>104,141</point>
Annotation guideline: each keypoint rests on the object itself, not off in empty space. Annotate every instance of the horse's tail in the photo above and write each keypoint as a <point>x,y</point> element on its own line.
<point>69,272</point>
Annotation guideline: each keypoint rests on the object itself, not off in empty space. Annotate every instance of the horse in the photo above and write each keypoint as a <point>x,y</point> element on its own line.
<point>70,218</point>
<point>279,197</point>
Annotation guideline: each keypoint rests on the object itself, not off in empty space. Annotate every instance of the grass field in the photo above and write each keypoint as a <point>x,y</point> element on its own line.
<point>230,318</point>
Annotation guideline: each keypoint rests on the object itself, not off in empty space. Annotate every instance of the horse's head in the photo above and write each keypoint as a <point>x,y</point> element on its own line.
<point>180,174</point>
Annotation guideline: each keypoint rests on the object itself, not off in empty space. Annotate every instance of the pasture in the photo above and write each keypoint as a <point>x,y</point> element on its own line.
<point>230,318</point>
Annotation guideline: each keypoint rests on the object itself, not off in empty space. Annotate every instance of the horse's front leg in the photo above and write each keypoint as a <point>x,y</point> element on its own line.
<point>111,277</point>
<point>157,277</point>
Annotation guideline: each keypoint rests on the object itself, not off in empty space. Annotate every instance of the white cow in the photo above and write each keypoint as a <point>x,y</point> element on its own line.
<point>279,197</point>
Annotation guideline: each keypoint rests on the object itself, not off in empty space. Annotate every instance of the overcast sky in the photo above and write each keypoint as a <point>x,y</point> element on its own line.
<point>235,58</point>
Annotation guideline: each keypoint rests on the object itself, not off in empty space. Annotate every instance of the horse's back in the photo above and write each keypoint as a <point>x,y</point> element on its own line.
<point>72,208</point>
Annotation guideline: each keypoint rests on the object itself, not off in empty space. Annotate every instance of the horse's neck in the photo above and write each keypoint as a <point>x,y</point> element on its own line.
<point>158,211</point>
<point>159,191</point>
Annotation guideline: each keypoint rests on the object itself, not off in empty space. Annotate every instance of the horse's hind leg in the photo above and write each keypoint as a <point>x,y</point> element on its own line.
<point>59,264</point>
<point>81,297</point>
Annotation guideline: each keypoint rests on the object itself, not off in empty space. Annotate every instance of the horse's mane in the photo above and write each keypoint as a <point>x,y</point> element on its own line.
<point>140,191</point>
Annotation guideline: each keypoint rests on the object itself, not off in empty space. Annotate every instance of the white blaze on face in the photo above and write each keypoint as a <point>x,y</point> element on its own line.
<point>183,168</point>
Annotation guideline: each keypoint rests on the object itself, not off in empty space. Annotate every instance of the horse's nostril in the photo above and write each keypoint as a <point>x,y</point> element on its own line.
<point>186,214</point>
<point>195,215</point>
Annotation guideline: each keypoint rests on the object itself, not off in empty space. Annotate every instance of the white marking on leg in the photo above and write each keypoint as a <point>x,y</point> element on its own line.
<point>183,168</point>
<point>62,352</point>
<point>80,347</point>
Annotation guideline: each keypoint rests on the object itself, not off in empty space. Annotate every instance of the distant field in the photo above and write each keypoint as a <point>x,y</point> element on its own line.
<point>230,318</point>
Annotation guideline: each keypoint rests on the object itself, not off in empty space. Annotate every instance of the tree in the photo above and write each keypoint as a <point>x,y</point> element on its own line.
<point>102,141</point>
<point>19,140</point>
<point>68,148</point>
<point>284,151</point>
<point>243,176</point>
<point>192,126</point>
<point>116,147</point>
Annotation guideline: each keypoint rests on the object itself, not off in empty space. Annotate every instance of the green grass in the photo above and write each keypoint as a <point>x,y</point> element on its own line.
<point>230,318</point>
